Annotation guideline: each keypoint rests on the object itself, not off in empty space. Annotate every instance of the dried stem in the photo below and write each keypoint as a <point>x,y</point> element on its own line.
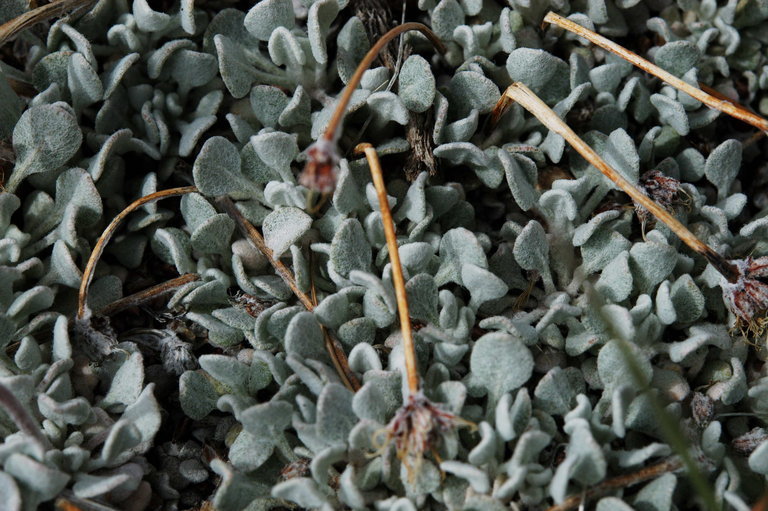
<point>397,270</point>
<point>11,28</point>
<point>337,355</point>
<point>523,95</point>
<point>147,294</point>
<point>354,81</point>
<point>616,483</point>
<point>724,105</point>
<point>23,420</point>
<point>101,243</point>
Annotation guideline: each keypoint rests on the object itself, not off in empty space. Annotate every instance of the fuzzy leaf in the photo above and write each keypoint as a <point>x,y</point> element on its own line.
<point>44,139</point>
<point>545,74</point>
<point>267,15</point>
<point>285,227</point>
<point>416,84</point>
<point>677,57</point>
<point>350,249</point>
<point>723,165</point>
<point>500,363</point>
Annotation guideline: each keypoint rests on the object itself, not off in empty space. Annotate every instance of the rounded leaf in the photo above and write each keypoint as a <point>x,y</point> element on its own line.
<point>44,139</point>
<point>416,84</point>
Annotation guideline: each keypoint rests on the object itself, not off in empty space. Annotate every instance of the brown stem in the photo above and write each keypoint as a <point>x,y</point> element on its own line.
<point>101,243</point>
<point>337,355</point>
<point>409,347</point>
<point>711,101</point>
<point>11,28</point>
<point>22,418</point>
<point>523,95</point>
<point>616,483</point>
<point>147,294</point>
<point>354,81</point>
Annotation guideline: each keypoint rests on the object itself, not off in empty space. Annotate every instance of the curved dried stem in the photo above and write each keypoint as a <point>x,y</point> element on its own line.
<point>409,347</point>
<point>12,28</point>
<point>619,482</point>
<point>148,294</point>
<point>101,243</point>
<point>531,102</point>
<point>337,355</point>
<point>718,103</point>
<point>338,114</point>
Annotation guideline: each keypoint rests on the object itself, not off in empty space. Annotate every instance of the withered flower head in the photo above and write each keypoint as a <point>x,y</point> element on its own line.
<point>416,429</point>
<point>664,190</point>
<point>319,173</point>
<point>747,297</point>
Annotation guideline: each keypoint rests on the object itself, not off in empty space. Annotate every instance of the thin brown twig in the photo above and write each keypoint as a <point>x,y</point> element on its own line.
<point>409,347</point>
<point>101,243</point>
<point>11,28</point>
<point>623,481</point>
<point>330,131</point>
<point>531,102</point>
<point>338,357</point>
<point>724,105</point>
<point>147,294</point>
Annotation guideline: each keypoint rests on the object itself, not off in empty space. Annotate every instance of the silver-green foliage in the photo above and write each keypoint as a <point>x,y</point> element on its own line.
<point>130,101</point>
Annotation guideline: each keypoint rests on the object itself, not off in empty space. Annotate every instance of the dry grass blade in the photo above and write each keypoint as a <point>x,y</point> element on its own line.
<point>338,114</point>
<point>616,483</point>
<point>101,243</point>
<point>397,269</point>
<point>12,28</point>
<point>338,357</point>
<point>147,294</point>
<point>724,105</point>
<point>528,100</point>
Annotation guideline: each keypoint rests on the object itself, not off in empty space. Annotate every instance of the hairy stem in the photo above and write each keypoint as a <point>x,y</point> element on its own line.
<point>101,243</point>
<point>409,347</point>
<point>531,102</point>
<point>724,105</point>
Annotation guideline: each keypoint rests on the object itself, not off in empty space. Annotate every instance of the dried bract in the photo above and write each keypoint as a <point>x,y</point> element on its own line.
<point>664,190</point>
<point>320,171</point>
<point>417,428</point>
<point>95,334</point>
<point>746,444</point>
<point>747,297</point>
<point>702,409</point>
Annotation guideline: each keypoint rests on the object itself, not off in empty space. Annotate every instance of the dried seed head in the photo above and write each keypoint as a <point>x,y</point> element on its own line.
<point>249,303</point>
<point>300,467</point>
<point>416,429</point>
<point>747,297</point>
<point>702,409</point>
<point>319,173</point>
<point>749,441</point>
<point>662,189</point>
<point>175,354</point>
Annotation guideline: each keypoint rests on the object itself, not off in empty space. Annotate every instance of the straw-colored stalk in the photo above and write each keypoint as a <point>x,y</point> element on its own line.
<point>409,348</point>
<point>718,103</point>
<point>12,28</point>
<point>319,173</point>
<point>531,102</point>
<point>101,243</point>
<point>619,482</point>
